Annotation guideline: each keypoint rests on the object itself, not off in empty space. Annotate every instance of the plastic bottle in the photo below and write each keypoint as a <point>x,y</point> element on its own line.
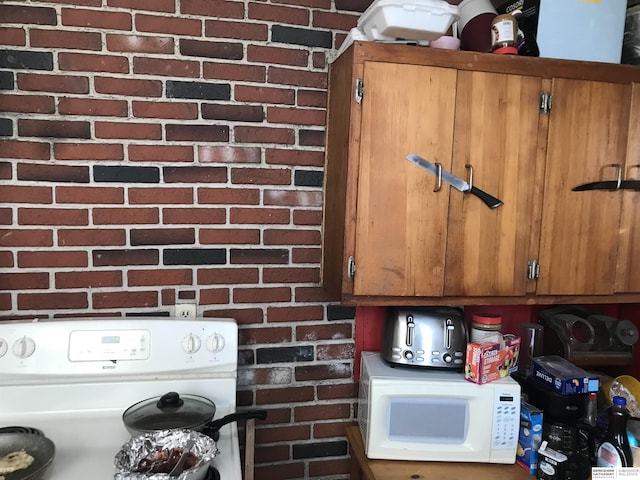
<point>591,412</point>
<point>504,36</point>
<point>486,328</point>
<point>615,451</point>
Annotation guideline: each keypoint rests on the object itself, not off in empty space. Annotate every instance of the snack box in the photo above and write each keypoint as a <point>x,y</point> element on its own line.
<point>489,361</point>
<point>529,438</point>
<point>426,20</point>
<point>563,376</point>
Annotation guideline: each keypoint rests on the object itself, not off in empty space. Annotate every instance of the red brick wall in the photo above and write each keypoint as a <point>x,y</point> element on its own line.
<point>173,149</point>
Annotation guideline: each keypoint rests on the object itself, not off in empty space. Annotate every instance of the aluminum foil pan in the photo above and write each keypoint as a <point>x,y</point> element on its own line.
<point>144,449</point>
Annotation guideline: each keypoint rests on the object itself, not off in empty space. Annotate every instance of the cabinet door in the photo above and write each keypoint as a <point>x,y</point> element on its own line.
<point>400,226</point>
<point>496,130</point>
<point>579,235</point>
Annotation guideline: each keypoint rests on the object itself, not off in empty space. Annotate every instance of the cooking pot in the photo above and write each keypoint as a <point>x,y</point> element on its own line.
<point>38,446</point>
<point>175,411</point>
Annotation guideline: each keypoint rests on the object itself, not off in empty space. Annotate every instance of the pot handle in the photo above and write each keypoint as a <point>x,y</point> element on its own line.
<point>216,425</point>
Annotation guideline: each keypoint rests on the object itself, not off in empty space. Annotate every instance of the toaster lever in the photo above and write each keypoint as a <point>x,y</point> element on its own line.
<point>410,328</point>
<point>448,332</point>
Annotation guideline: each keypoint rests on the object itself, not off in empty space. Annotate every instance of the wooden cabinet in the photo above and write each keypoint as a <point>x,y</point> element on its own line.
<point>389,238</point>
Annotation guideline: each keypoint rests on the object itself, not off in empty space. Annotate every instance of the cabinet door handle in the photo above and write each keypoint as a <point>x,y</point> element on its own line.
<point>619,180</point>
<point>470,181</point>
<point>439,176</point>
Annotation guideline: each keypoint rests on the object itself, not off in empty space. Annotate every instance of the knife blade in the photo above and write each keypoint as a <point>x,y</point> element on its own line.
<point>454,181</point>
<point>609,185</point>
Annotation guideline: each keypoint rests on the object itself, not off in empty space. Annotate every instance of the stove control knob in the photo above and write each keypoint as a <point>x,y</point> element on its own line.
<point>215,343</point>
<point>191,343</point>
<point>24,347</point>
<point>4,346</point>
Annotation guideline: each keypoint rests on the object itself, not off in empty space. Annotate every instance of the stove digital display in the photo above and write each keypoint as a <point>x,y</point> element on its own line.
<point>111,339</point>
<point>114,345</point>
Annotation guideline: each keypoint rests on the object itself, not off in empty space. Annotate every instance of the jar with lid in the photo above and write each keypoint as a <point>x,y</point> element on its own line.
<point>504,34</point>
<point>486,328</point>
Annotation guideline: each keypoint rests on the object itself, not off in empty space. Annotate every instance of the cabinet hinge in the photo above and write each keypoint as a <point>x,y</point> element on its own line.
<point>546,101</point>
<point>351,268</point>
<point>359,90</point>
<point>533,270</point>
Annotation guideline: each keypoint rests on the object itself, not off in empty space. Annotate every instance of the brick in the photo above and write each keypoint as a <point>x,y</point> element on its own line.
<point>294,314</point>
<point>319,60</point>
<point>161,195</point>
<point>43,82</point>
<point>265,135</point>
<point>217,296</point>
<point>269,454</point>
<point>162,236</point>
<point>229,154</point>
<point>320,449</point>
<point>258,256</point>
<point>341,390</point>
<point>326,468</point>
<point>128,130</point>
<point>24,281</point>
<point>93,107</point>
<point>25,194</point>
<point>308,178</point>
<point>207,49</point>
<point>352,5</point>
<point>28,15</point>
<point>91,237</point>
<point>168,25</point>
<point>6,171</point>
<point>127,299</point>
<point>239,30</point>
<point>301,36</point>
<point>184,111</point>
<point>339,351</point>
<point>246,93</point>
<point>65,39</point>
<point>13,36</point>
<point>197,133</point>
<point>280,14</point>
<point>260,176</point>
<point>26,150</point>
<point>128,87</point>
<point>53,216</point>
<point>99,279</point>
<point>54,128</point>
<point>293,198</point>
<point>281,471</point>
<point>165,67</point>
<point>27,104</point>
<point>108,20</point>
<point>6,259</point>
<point>253,336</point>
<point>167,6</point>
<point>323,372</point>
<point>291,237</point>
<point>307,217</point>
<point>261,295</point>
<point>126,174</point>
<point>52,259</point>
<point>278,56</point>
<point>284,395</point>
<point>125,257</point>
<point>85,3</point>
<point>194,174</point>
<point>140,44</point>
<point>194,216</point>
<point>228,196</point>
<point>335,21</point>
<point>220,276</point>
<point>6,127</point>
<point>213,9</point>
<point>20,59</point>
<point>163,153</point>
<point>93,63</point>
<point>89,195</point>
<point>300,78</point>
<point>340,312</point>
<point>282,434</point>
<point>316,4</point>
<point>302,353</point>
<point>125,216</point>
<point>265,216</point>
<point>234,72</point>
<point>242,316</point>
<point>312,98</point>
<point>302,158</point>
<point>311,138</point>
<point>291,275</point>
<point>198,90</point>
<point>229,236</point>
<point>6,80</point>
<point>194,256</point>
<point>26,238</point>
<point>306,255</point>
<point>296,116</point>
<point>335,331</point>
<point>237,113</point>
<point>88,151</point>
<point>159,277</point>
<point>53,301</point>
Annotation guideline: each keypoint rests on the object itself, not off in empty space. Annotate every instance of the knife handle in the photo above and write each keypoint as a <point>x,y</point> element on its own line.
<point>490,200</point>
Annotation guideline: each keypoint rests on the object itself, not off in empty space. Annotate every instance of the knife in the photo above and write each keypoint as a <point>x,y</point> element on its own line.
<point>609,185</point>
<point>456,182</point>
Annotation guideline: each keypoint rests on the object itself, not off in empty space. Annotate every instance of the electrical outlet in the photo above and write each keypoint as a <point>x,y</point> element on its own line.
<point>186,310</point>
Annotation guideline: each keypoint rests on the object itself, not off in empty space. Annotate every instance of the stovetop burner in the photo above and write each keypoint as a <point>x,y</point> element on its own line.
<point>212,474</point>
<point>16,429</point>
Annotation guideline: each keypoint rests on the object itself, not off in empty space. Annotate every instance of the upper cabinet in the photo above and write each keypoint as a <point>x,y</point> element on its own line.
<point>525,130</point>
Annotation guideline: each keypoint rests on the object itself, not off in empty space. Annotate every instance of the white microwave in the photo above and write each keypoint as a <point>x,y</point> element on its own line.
<point>427,415</point>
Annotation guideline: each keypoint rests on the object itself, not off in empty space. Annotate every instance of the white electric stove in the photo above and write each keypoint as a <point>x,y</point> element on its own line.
<point>73,379</point>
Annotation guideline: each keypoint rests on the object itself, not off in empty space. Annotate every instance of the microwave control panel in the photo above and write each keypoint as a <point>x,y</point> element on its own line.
<point>506,421</point>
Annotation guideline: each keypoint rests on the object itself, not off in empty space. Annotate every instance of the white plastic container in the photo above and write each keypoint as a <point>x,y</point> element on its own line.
<point>420,20</point>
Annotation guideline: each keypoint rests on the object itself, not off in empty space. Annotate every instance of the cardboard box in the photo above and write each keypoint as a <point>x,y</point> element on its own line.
<point>489,361</point>
<point>563,376</point>
<point>530,437</point>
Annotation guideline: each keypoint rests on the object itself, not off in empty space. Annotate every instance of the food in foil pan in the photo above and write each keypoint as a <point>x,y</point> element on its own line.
<point>152,456</point>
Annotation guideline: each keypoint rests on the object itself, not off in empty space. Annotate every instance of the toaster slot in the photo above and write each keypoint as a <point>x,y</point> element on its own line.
<point>410,330</point>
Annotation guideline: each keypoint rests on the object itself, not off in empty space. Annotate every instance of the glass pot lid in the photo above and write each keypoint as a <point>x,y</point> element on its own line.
<point>169,411</point>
